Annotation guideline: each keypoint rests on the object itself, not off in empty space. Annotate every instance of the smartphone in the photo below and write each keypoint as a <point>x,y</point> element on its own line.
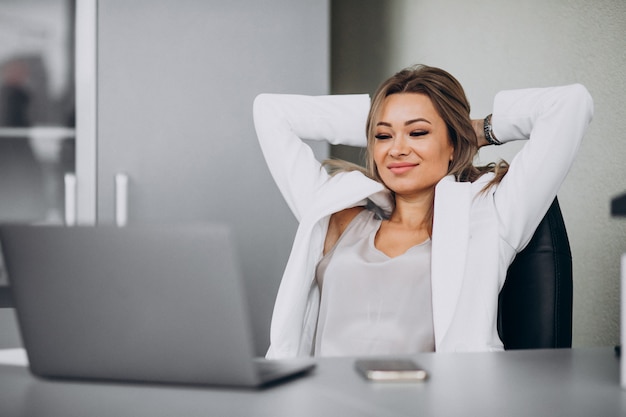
<point>392,369</point>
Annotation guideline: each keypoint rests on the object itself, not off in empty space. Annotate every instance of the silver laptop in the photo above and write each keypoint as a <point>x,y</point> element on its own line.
<point>147,304</point>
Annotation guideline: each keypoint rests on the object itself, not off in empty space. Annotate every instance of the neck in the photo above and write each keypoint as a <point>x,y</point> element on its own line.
<point>415,211</point>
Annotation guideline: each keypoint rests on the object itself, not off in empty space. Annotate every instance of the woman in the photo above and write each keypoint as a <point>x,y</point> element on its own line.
<point>411,254</point>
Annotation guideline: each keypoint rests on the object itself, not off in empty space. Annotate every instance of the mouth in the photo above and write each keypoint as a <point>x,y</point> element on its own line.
<point>401,167</point>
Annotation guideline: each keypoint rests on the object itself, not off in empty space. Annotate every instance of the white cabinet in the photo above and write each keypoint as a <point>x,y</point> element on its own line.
<point>172,110</point>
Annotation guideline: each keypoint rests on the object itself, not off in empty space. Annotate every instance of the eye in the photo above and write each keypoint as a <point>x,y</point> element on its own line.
<point>417,133</point>
<point>382,136</point>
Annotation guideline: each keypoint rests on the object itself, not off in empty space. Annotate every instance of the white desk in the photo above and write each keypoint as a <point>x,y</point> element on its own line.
<point>578,382</point>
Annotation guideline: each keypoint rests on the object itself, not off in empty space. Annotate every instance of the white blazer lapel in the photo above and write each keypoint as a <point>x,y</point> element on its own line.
<point>449,250</point>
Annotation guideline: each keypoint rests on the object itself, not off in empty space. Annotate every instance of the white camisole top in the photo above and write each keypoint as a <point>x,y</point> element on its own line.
<point>372,304</point>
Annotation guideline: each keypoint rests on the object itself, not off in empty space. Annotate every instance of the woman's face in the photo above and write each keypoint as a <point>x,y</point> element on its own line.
<point>411,149</point>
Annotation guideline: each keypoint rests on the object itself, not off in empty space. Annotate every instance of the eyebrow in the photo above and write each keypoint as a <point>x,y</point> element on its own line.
<point>408,122</point>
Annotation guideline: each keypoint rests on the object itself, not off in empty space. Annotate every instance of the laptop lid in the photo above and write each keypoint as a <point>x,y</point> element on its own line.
<point>155,304</point>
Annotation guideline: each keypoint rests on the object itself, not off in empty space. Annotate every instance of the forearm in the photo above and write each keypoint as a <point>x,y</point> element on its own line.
<point>283,121</point>
<point>554,121</point>
<point>337,119</point>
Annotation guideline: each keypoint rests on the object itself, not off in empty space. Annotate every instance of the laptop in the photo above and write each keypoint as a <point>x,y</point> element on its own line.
<point>158,304</point>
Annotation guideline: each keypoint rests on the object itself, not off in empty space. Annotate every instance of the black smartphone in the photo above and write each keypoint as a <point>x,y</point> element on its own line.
<point>391,369</point>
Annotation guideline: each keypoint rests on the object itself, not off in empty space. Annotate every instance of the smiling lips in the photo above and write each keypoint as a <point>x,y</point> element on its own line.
<point>401,167</point>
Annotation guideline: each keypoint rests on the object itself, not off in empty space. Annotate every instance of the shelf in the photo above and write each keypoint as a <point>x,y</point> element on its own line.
<point>38,132</point>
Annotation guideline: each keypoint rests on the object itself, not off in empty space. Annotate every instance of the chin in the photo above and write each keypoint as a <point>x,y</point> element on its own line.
<point>412,188</point>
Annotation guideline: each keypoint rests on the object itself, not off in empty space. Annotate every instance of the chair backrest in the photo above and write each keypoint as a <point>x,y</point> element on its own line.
<point>535,304</point>
<point>6,301</point>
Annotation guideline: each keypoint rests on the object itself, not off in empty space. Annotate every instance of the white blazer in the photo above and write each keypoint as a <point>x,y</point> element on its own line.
<point>475,235</point>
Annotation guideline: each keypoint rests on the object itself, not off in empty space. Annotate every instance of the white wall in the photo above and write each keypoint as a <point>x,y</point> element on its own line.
<point>493,45</point>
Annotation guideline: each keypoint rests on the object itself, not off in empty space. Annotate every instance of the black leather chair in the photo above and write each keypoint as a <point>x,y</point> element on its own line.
<point>535,304</point>
<point>6,300</point>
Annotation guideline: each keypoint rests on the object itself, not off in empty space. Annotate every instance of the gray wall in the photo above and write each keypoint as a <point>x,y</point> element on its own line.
<point>510,44</point>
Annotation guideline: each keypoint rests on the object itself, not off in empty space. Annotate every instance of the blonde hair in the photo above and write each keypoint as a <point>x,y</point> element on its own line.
<point>448,98</point>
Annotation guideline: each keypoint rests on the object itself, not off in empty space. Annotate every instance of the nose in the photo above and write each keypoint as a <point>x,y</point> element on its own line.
<point>399,147</point>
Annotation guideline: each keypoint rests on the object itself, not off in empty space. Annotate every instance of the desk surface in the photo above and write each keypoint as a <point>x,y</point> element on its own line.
<point>577,382</point>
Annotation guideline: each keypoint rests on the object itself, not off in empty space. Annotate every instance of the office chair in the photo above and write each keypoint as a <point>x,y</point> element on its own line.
<point>535,304</point>
<point>6,301</point>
